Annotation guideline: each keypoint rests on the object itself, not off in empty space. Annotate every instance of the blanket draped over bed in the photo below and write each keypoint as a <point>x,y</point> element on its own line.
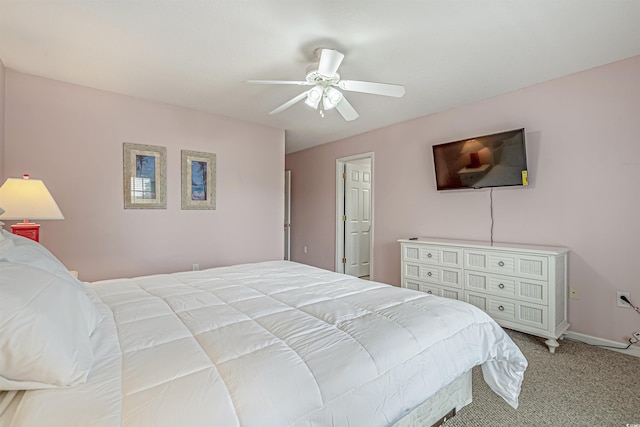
<point>272,344</point>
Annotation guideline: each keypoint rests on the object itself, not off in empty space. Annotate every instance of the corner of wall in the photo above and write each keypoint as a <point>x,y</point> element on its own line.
<point>2,96</point>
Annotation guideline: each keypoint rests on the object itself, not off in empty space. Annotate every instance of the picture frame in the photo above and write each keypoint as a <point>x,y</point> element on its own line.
<point>198,180</point>
<point>144,176</point>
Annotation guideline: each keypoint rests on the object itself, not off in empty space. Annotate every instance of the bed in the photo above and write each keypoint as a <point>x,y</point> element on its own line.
<point>272,343</point>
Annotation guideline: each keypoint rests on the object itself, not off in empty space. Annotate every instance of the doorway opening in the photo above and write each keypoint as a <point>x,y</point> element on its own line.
<point>354,215</point>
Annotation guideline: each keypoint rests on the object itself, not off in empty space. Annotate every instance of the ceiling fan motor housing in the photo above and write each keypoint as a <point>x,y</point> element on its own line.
<point>314,77</point>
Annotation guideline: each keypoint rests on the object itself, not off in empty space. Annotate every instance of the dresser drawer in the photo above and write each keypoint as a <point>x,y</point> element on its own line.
<point>510,312</point>
<point>535,291</point>
<point>509,263</point>
<point>433,274</point>
<point>430,288</point>
<point>439,255</point>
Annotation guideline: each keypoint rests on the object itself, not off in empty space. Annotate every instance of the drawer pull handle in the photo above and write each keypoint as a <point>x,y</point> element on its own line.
<point>501,264</point>
<point>429,274</point>
<point>429,255</point>
<point>429,292</point>
<point>501,285</point>
<point>501,308</point>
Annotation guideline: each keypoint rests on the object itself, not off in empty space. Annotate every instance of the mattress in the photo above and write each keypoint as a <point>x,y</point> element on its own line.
<point>271,344</point>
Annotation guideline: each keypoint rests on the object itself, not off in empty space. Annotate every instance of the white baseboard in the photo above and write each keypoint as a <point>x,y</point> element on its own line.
<point>634,350</point>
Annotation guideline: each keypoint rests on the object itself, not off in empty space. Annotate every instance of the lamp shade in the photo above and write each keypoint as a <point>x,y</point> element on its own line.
<point>314,95</point>
<point>27,198</point>
<point>331,98</point>
<point>472,146</point>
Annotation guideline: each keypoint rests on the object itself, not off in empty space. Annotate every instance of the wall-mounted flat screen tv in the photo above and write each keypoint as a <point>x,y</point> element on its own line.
<point>495,160</point>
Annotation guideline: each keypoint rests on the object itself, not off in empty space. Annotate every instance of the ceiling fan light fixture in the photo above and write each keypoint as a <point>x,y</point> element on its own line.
<point>313,97</point>
<point>331,98</point>
<point>322,77</point>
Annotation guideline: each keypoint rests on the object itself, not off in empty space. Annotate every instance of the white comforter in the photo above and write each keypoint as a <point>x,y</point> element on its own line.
<point>272,344</point>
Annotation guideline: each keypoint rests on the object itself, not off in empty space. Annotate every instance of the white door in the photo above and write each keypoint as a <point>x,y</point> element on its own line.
<point>358,219</point>
<point>287,215</point>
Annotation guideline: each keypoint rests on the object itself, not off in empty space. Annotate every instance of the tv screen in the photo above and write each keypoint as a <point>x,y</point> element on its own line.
<point>495,160</point>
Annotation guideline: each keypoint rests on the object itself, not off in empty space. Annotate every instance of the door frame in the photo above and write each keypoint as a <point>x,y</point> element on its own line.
<point>287,215</point>
<point>340,208</point>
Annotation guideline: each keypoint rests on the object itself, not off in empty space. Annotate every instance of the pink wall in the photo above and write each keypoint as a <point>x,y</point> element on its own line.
<point>583,147</point>
<point>71,137</point>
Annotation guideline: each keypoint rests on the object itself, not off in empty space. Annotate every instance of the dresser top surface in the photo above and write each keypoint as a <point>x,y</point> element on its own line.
<point>556,250</point>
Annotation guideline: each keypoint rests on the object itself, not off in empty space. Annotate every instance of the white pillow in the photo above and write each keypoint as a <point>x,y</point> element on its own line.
<point>44,341</point>
<point>27,251</point>
<point>20,250</point>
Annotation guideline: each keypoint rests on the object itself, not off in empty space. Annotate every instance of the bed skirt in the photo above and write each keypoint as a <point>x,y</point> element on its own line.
<point>454,396</point>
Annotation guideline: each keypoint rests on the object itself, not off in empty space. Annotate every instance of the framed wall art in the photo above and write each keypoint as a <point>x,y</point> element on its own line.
<point>198,180</point>
<point>145,176</point>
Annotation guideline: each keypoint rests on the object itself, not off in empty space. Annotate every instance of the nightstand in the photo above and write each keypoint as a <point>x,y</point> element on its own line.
<point>469,176</point>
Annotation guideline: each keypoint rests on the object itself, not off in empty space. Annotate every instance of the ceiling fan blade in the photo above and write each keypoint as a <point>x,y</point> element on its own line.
<point>289,103</point>
<point>385,89</point>
<point>347,111</point>
<point>330,61</point>
<point>279,82</point>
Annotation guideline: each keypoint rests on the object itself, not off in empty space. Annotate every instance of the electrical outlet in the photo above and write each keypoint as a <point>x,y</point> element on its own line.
<point>573,293</point>
<point>621,303</point>
<point>196,267</point>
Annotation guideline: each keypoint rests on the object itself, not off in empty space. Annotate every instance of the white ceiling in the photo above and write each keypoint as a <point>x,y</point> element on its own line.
<point>198,53</point>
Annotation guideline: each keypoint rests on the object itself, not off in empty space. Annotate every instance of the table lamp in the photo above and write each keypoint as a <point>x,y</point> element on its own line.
<point>471,148</point>
<point>27,198</point>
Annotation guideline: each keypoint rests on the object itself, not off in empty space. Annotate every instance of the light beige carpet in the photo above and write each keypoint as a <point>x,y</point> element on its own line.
<point>579,385</point>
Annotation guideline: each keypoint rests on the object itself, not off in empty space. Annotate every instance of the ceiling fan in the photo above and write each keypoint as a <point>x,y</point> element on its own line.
<point>325,79</point>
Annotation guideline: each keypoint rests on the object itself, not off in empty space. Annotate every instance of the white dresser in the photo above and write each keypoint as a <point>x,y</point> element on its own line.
<point>523,287</point>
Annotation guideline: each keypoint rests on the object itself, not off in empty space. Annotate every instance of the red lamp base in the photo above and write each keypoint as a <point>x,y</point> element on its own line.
<point>28,230</point>
<point>475,160</point>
